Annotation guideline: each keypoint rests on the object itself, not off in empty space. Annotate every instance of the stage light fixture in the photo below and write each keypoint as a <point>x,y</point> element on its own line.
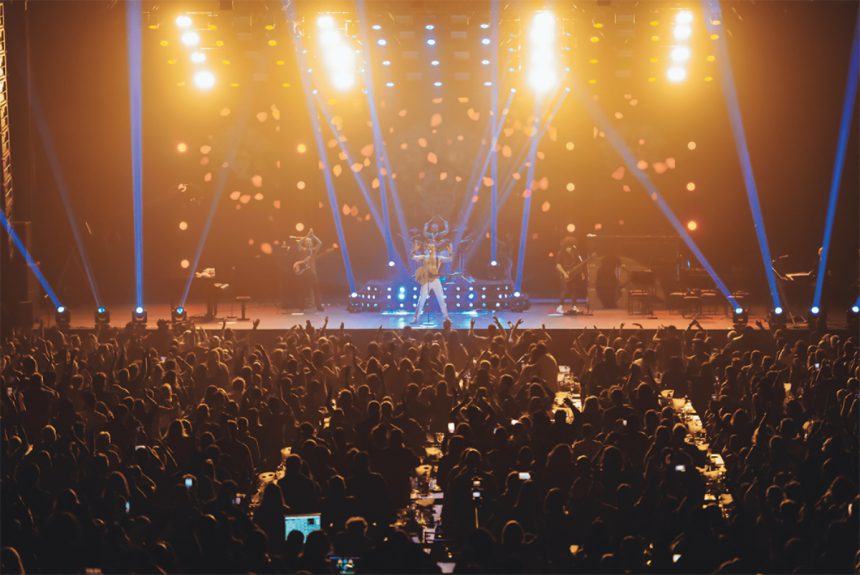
<point>494,263</point>
<point>338,56</point>
<point>381,42</point>
<point>434,62</point>
<point>485,41</point>
<point>519,302</point>
<point>139,316</point>
<point>354,303</point>
<point>676,74</point>
<point>190,38</point>
<point>431,41</point>
<point>682,32</point>
<point>852,319</point>
<point>429,27</point>
<point>684,17</point>
<point>680,54</point>
<point>388,62</point>
<point>63,317</point>
<point>740,316</point>
<point>102,316</point>
<point>437,83</point>
<point>776,317</point>
<point>183,21</point>
<point>816,319</point>
<point>198,57</point>
<point>542,66</point>
<point>178,314</point>
<point>391,263</point>
<point>204,80</point>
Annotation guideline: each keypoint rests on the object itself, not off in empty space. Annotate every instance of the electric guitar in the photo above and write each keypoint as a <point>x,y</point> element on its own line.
<point>574,268</point>
<point>304,264</point>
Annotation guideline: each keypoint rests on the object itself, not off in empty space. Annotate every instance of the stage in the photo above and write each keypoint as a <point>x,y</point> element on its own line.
<point>273,318</point>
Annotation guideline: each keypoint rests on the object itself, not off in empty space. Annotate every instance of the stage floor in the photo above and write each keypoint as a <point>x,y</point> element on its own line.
<point>540,314</point>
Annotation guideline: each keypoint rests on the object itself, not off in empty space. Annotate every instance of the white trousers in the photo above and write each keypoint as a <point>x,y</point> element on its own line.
<point>436,286</point>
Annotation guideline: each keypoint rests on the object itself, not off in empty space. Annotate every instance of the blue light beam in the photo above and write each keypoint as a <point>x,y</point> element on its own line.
<point>527,201</point>
<point>737,124</point>
<point>841,146</point>
<point>321,151</point>
<point>494,168</point>
<point>629,159</point>
<point>133,29</point>
<point>383,163</point>
<point>520,163</point>
<point>62,189</point>
<point>466,213</point>
<point>220,184</point>
<point>29,259</point>
<point>383,226</point>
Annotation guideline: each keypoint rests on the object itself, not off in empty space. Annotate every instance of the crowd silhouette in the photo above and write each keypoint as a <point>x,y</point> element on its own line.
<point>181,450</point>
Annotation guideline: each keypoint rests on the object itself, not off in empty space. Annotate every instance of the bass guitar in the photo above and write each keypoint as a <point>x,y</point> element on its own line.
<point>570,270</point>
<point>304,264</point>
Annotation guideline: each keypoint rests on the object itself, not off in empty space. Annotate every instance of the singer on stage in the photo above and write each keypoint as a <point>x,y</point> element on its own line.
<point>428,276</point>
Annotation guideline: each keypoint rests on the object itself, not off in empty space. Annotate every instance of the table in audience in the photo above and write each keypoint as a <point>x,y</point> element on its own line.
<point>422,518</point>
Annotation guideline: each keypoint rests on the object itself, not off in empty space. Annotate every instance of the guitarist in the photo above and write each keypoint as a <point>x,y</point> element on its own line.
<point>310,246</point>
<point>571,273</point>
<point>428,276</point>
